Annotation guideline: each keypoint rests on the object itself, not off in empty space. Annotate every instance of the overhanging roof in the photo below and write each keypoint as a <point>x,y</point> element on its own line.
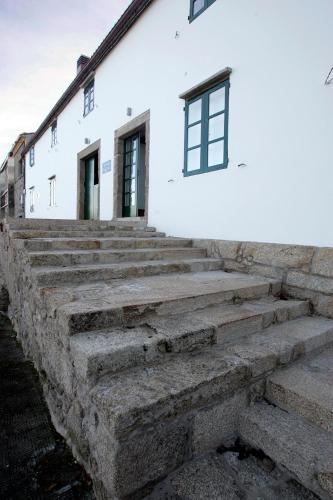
<point>126,21</point>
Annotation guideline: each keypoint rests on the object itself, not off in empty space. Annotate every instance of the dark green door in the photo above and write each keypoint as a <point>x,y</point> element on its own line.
<point>131,163</point>
<point>91,188</point>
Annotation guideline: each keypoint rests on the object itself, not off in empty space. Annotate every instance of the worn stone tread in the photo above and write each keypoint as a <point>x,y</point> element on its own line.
<point>306,389</point>
<point>143,395</point>
<point>81,256</point>
<point>40,244</point>
<point>98,352</point>
<point>52,276</point>
<point>126,300</point>
<point>118,232</point>
<point>302,448</point>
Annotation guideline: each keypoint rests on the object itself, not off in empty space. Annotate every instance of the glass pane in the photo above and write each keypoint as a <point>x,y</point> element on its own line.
<point>133,185</point>
<point>127,172</point>
<point>197,6</point>
<point>127,146</point>
<point>193,159</point>
<point>127,200</point>
<point>215,153</point>
<point>135,143</point>
<point>134,155</point>
<point>194,135</point>
<point>127,186</point>
<point>133,200</point>
<point>216,127</point>
<point>128,159</point>
<point>194,112</point>
<point>217,101</point>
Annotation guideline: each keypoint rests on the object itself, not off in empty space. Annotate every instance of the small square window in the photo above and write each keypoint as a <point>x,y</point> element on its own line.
<point>32,156</point>
<point>89,98</point>
<point>206,130</point>
<point>197,7</point>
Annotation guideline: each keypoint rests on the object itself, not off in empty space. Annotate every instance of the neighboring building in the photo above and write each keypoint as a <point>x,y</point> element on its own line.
<point>210,118</point>
<point>12,179</point>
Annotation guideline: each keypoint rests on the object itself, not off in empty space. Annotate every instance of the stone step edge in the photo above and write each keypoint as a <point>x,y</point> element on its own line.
<point>158,345</point>
<point>76,274</point>
<point>303,402</point>
<point>31,234</point>
<point>237,369</point>
<point>130,313</point>
<point>39,259</point>
<point>259,425</point>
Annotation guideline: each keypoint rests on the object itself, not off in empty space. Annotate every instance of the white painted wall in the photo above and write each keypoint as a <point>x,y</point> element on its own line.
<point>281,121</point>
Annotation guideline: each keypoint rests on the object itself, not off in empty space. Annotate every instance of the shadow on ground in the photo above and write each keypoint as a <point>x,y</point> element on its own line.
<point>35,462</point>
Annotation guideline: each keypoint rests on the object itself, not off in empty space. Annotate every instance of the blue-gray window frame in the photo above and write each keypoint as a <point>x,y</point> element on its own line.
<point>89,98</point>
<point>32,156</point>
<point>193,16</point>
<point>204,168</point>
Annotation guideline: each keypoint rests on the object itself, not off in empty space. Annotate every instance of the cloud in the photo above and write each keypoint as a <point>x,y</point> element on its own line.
<point>41,41</point>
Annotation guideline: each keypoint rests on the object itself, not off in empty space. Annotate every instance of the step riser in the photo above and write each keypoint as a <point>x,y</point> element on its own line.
<point>135,271</point>
<point>114,257</point>
<point>58,225</point>
<point>137,313</point>
<point>159,348</point>
<point>78,234</point>
<point>114,244</point>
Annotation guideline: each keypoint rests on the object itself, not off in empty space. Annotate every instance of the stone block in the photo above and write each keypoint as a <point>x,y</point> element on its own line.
<point>216,425</point>
<point>219,248</point>
<point>283,256</point>
<point>322,262</point>
<point>310,282</point>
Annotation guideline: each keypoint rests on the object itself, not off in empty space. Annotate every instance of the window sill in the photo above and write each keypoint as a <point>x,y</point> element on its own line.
<point>206,170</point>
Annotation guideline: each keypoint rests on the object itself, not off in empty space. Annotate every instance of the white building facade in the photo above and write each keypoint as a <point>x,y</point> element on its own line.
<point>210,118</point>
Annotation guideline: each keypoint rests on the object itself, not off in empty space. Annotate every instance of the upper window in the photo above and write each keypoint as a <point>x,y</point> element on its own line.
<point>32,156</point>
<point>198,6</point>
<point>89,99</point>
<point>206,130</point>
<point>54,134</point>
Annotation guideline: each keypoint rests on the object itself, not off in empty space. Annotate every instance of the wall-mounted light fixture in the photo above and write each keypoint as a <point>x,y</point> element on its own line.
<point>129,111</point>
<point>87,140</point>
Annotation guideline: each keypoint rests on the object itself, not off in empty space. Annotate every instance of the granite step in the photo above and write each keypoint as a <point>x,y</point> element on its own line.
<point>229,476</point>
<point>128,301</point>
<point>77,233</point>
<point>305,450</point>
<point>99,352</point>
<point>64,258</point>
<point>154,414</point>
<point>59,276</point>
<point>59,224</point>
<point>86,243</point>
<point>306,389</point>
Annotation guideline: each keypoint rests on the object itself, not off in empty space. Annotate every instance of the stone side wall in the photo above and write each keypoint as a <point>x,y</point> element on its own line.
<point>306,271</point>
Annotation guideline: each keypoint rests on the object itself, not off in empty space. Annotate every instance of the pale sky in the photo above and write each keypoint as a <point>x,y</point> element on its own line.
<point>40,42</point>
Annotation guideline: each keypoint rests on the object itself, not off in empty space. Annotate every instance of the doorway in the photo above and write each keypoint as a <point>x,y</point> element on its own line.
<point>131,168</point>
<point>134,176</point>
<point>88,182</point>
<point>91,187</point>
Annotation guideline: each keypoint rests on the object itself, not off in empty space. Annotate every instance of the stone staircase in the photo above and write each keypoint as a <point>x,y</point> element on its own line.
<point>153,358</point>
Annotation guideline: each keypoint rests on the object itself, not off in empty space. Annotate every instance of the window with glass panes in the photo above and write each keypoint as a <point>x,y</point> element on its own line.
<point>54,134</point>
<point>32,156</point>
<point>89,98</point>
<point>198,6</point>
<point>206,131</point>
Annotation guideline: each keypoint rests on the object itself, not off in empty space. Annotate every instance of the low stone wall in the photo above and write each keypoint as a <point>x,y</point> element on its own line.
<point>306,271</point>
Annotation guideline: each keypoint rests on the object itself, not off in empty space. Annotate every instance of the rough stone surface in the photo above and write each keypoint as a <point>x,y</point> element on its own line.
<point>301,448</point>
<point>306,389</point>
